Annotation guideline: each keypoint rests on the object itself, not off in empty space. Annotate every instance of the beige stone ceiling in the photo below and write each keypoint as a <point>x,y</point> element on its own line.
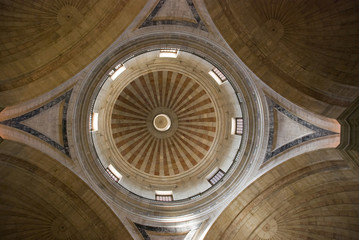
<point>198,142</point>
<point>42,199</point>
<point>44,43</point>
<point>307,51</point>
<point>312,196</point>
<point>184,144</point>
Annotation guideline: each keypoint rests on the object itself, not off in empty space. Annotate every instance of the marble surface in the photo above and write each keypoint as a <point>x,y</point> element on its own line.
<point>318,132</point>
<point>150,21</point>
<point>16,122</point>
<point>168,231</point>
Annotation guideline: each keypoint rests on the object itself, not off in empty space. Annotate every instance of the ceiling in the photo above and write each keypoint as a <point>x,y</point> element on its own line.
<point>306,51</point>
<point>291,70</point>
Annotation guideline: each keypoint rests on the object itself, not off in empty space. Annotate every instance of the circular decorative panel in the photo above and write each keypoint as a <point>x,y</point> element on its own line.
<point>163,123</point>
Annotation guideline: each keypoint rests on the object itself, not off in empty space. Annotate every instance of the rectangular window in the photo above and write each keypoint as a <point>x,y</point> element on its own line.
<point>118,70</point>
<point>237,126</point>
<point>94,122</point>
<point>164,196</point>
<point>169,52</point>
<point>114,174</point>
<point>216,177</point>
<point>217,76</point>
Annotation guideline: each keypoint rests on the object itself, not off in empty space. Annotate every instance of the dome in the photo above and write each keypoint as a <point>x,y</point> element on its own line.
<point>179,119</point>
<point>162,128</point>
<point>296,47</point>
<point>163,123</point>
<point>47,36</point>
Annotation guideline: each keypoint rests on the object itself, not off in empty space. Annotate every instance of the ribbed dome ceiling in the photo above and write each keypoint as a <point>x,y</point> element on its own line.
<point>304,50</point>
<point>54,40</point>
<point>189,137</point>
<point>42,199</point>
<point>39,32</point>
<point>312,196</point>
<point>164,124</point>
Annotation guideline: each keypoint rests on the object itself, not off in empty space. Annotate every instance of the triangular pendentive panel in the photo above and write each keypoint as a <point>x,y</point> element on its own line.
<point>296,129</point>
<point>180,12</point>
<point>287,130</point>
<point>48,122</point>
<point>178,233</point>
<point>31,122</point>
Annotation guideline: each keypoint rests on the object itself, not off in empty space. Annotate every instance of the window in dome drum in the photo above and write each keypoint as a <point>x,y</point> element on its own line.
<point>216,177</point>
<point>164,198</point>
<point>237,126</point>
<point>114,174</point>
<point>169,53</point>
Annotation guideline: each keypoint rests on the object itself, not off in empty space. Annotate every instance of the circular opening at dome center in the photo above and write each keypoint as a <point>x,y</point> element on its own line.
<point>162,122</point>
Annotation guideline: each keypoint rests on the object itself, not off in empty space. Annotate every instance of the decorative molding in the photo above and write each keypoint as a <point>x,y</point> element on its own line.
<point>16,123</point>
<point>150,22</point>
<point>189,231</point>
<point>318,132</point>
<point>349,135</point>
<point>349,121</point>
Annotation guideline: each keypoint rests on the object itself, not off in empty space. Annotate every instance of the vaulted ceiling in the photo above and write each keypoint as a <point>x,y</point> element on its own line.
<point>44,43</point>
<point>306,51</point>
<point>292,67</point>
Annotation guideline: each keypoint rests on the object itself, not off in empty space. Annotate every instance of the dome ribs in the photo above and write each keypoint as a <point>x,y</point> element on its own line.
<point>197,113</point>
<point>129,138</point>
<point>138,149</point>
<point>201,135</point>
<point>147,92</point>
<point>141,94</point>
<point>154,90</point>
<point>168,84</point>
<point>134,97</point>
<point>129,131</point>
<point>126,110</point>
<point>123,117</point>
<point>164,158</point>
<point>151,159</point>
<point>140,155</point>
<point>143,156</point>
<point>160,83</point>
<point>172,151</point>
<point>158,158</point>
<point>174,90</point>
<point>195,141</point>
<point>207,119</point>
<point>122,100</point>
<point>194,107</point>
<point>179,156</point>
<point>189,102</point>
<point>121,125</point>
<point>174,166</point>
<point>183,87</point>
<point>130,147</point>
<point>206,128</point>
<point>192,148</point>
<point>186,96</point>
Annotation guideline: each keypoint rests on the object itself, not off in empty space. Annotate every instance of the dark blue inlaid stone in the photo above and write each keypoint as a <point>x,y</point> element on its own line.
<point>318,132</point>
<point>150,22</point>
<point>16,122</point>
<point>142,229</point>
